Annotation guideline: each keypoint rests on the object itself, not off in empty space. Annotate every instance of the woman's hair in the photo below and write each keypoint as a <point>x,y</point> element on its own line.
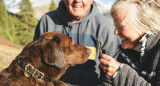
<point>145,14</point>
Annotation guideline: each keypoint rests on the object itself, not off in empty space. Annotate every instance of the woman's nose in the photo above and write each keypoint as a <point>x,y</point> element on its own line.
<point>116,31</point>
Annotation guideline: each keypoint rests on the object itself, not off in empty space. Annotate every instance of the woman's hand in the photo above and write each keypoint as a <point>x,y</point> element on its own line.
<point>109,64</point>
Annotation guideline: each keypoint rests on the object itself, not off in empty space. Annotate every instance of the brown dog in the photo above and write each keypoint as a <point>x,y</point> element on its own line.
<point>44,61</point>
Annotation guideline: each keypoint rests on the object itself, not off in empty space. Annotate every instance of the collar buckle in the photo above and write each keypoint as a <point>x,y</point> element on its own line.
<point>35,73</point>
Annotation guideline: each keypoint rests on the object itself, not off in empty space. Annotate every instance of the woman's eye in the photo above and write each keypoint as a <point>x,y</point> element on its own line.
<point>119,26</point>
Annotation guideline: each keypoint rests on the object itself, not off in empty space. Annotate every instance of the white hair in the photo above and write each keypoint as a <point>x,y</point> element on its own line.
<point>145,14</point>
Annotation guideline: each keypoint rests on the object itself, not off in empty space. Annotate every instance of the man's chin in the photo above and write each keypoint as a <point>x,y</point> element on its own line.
<point>124,46</point>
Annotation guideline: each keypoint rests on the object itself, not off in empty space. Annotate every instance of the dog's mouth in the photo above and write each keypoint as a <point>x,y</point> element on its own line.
<point>88,52</point>
<point>84,57</point>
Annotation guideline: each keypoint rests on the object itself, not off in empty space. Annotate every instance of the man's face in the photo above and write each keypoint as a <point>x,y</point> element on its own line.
<point>77,8</point>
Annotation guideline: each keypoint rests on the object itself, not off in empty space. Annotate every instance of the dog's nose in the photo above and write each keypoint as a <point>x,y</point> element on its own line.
<point>88,50</point>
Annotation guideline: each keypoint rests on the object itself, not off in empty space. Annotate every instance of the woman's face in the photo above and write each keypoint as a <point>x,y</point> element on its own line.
<point>124,28</point>
<point>77,8</point>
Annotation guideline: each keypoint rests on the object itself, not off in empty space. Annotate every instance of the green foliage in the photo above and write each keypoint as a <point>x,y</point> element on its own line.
<point>3,15</point>
<point>18,28</point>
<point>26,8</point>
<point>26,28</point>
<point>53,6</point>
<point>4,26</point>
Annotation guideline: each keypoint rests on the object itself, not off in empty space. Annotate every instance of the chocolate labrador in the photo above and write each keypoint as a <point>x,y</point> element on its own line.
<point>44,61</point>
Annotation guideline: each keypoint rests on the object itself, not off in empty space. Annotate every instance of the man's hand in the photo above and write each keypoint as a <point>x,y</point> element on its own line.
<point>109,64</point>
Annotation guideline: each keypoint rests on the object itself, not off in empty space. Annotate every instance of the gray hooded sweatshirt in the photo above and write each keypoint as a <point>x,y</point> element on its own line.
<point>85,32</point>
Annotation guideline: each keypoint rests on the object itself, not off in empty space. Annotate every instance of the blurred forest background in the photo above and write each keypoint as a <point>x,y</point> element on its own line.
<point>19,28</point>
<point>16,30</point>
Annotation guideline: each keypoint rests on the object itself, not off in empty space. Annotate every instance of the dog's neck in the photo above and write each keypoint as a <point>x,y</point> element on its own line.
<point>29,69</point>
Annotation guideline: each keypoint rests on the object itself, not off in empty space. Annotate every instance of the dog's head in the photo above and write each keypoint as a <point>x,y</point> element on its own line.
<point>59,50</point>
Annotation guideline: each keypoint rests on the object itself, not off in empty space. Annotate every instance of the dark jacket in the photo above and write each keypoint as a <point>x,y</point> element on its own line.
<point>146,69</point>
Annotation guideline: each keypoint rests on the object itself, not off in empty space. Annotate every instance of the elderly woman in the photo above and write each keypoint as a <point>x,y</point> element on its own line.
<point>137,23</point>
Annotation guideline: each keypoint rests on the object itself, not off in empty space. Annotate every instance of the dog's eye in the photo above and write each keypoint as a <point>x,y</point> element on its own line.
<point>56,39</point>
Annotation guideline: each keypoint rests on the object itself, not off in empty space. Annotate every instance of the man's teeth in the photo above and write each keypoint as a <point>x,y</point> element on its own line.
<point>123,39</point>
<point>77,6</point>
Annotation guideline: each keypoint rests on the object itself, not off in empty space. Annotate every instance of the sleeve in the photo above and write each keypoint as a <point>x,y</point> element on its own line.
<point>129,77</point>
<point>37,32</point>
<point>157,83</point>
<point>109,44</point>
<point>109,41</point>
<point>40,28</point>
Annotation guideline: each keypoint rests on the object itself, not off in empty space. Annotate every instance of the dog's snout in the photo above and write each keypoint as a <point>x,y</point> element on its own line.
<point>88,50</point>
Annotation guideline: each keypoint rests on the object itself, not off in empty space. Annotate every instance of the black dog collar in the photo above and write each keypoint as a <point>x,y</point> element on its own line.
<point>34,72</point>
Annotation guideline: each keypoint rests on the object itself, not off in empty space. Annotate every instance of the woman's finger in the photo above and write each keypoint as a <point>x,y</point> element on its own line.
<point>104,62</point>
<point>106,57</point>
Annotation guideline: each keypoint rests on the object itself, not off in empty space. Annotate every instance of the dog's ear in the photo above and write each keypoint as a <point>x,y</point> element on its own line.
<point>53,53</point>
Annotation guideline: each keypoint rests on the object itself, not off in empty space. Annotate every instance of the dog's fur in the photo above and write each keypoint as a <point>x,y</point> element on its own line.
<point>51,54</point>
